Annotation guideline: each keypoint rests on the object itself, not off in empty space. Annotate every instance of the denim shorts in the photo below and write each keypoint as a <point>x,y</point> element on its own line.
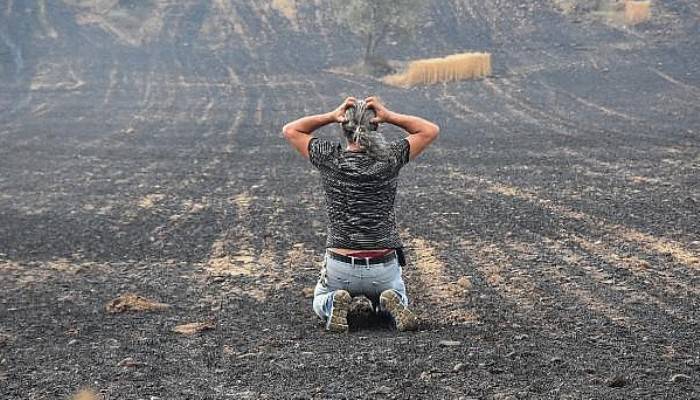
<point>358,278</point>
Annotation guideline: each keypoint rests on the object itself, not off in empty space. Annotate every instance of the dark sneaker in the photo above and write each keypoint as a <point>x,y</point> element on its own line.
<point>405,320</point>
<point>338,320</point>
<point>361,307</point>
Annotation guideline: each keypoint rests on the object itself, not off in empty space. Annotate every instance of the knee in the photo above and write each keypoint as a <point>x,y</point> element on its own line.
<point>319,305</point>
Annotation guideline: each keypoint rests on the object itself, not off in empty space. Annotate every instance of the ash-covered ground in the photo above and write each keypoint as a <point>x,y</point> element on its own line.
<point>552,230</point>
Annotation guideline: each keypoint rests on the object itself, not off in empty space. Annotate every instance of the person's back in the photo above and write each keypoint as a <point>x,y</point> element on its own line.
<point>364,253</point>
<point>360,191</point>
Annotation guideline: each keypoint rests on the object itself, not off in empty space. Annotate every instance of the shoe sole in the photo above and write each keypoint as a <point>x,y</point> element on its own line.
<point>404,319</point>
<point>338,321</point>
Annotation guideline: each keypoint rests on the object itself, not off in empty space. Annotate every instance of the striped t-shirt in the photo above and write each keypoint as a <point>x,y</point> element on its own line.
<point>360,193</point>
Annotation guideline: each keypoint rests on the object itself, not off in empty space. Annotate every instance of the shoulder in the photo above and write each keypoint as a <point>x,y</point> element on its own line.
<point>400,150</point>
<point>400,145</point>
<point>322,150</point>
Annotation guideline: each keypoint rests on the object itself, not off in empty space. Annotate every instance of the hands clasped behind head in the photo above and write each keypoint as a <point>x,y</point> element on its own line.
<point>360,125</point>
<point>359,116</point>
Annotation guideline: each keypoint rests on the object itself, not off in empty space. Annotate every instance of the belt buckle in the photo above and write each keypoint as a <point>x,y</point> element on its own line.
<point>353,258</point>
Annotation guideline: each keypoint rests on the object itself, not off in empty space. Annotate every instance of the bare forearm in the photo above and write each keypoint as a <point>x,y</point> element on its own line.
<point>309,124</point>
<point>412,124</point>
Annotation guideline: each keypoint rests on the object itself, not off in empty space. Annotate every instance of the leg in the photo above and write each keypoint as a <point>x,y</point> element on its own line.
<point>398,286</point>
<point>377,279</point>
<point>394,301</point>
<point>391,302</point>
<point>322,296</point>
<point>331,303</point>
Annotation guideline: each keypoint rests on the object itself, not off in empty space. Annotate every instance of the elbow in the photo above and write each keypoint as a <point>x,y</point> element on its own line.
<point>434,130</point>
<point>288,132</point>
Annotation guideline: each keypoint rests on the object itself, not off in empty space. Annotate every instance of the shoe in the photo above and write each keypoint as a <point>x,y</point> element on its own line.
<point>361,307</point>
<point>338,320</point>
<point>405,320</point>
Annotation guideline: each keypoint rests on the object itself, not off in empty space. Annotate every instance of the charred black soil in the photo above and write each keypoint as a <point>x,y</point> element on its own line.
<point>552,230</point>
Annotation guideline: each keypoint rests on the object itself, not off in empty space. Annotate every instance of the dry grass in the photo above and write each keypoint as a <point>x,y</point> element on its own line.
<point>286,7</point>
<point>437,286</point>
<point>566,6</point>
<point>193,328</point>
<point>133,302</point>
<point>150,200</point>
<point>452,68</point>
<point>615,12</point>
<point>503,272</point>
<point>655,244</point>
<point>637,12</point>
<point>131,26</point>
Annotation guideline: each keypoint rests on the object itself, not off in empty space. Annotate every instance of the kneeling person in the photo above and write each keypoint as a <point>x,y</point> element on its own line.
<point>363,248</point>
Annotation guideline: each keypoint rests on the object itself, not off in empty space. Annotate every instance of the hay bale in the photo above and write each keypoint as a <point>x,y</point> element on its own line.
<point>455,67</point>
<point>637,12</point>
<point>133,302</point>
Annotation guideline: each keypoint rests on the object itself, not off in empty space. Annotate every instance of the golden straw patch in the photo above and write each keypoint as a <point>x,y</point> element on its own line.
<point>455,67</point>
<point>637,12</point>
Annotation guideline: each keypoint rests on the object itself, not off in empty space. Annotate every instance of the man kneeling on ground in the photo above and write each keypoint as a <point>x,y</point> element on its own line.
<point>364,256</point>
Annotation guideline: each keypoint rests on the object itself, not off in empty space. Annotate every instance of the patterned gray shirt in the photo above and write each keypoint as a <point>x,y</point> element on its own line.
<point>360,193</point>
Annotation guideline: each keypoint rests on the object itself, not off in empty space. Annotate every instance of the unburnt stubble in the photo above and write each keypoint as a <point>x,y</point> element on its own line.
<point>637,12</point>
<point>452,68</point>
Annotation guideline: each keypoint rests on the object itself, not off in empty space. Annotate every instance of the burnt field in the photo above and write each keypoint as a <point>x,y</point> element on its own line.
<point>552,229</point>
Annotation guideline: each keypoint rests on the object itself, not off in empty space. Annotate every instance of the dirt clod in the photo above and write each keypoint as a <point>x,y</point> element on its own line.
<point>86,394</point>
<point>193,328</point>
<point>677,378</point>
<point>616,381</point>
<point>132,302</point>
<point>464,282</point>
<point>382,390</point>
<point>129,362</point>
<point>308,292</point>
